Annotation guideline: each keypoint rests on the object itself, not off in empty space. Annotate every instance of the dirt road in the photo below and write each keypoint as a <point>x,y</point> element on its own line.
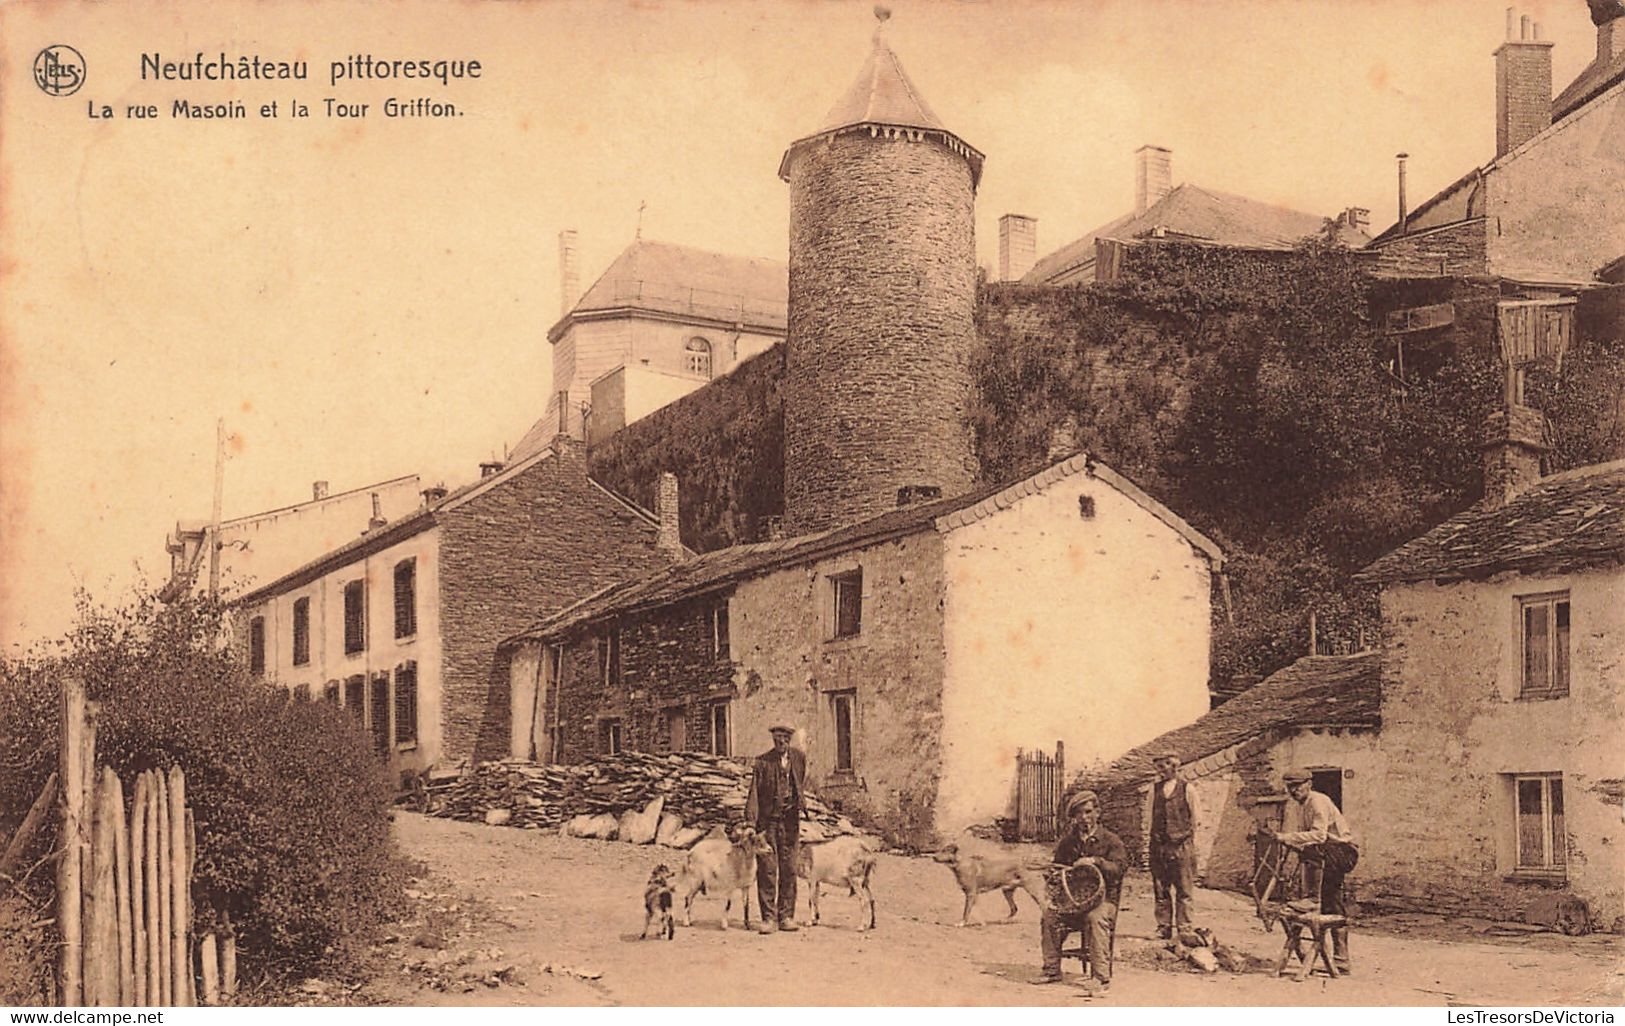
<point>516,917</point>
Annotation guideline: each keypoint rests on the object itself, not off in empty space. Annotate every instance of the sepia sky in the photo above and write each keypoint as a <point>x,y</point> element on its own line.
<point>365,298</point>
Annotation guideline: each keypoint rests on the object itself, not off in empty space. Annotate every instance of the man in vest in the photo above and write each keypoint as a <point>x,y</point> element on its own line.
<point>777,799</point>
<point>1326,845</point>
<point>1173,854</point>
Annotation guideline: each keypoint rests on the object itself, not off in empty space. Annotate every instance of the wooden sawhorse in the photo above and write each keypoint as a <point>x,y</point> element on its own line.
<point>1319,926</point>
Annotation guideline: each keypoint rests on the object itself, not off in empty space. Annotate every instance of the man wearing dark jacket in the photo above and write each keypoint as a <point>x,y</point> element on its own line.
<point>1173,855</point>
<point>1086,842</point>
<point>777,799</point>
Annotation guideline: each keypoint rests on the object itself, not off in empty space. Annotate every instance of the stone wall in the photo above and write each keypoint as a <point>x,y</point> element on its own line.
<point>1451,706</point>
<point>1460,249</point>
<point>522,550</point>
<point>882,300</point>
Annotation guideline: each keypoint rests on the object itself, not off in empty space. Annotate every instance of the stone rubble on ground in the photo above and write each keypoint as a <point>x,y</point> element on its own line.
<point>670,799</point>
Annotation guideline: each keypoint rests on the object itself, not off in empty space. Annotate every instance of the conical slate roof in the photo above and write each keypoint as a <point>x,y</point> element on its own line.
<point>883,95</point>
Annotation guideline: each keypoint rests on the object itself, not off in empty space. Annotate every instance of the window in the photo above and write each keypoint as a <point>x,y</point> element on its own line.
<point>301,693</point>
<point>609,737</point>
<point>676,729</point>
<point>330,693</point>
<point>406,609</point>
<point>1542,840</point>
<point>355,696</point>
<point>841,706</point>
<point>1545,646</point>
<point>721,742</point>
<point>355,617</point>
<point>256,646</point>
<point>609,657</point>
<point>719,629</point>
<point>379,713</point>
<point>406,703</point>
<point>301,632</point>
<point>848,596</point>
<point>697,358</point>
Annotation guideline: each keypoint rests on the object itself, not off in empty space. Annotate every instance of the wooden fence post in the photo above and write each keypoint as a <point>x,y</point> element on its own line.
<point>179,956</point>
<point>160,965</point>
<point>68,912</point>
<point>121,886</point>
<point>138,891</point>
<point>101,935</point>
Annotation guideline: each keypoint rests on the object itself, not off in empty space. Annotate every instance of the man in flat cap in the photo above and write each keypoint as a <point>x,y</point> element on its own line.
<point>777,799</point>
<point>1326,844</point>
<point>1173,854</point>
<point>1086,843</point>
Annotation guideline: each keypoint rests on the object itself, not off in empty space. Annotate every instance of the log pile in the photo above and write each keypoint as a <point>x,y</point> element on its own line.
<point>704,790</point>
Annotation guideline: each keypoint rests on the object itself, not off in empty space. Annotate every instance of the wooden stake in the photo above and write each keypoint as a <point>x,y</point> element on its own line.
<point>191,862</point>
<point>101,937</point>
<point>228,963</point>
<point>178,885</point>
<point>160,964</point>
<point>121,885</point>
<point>87,852</point>
<point>69,965</point>
<point>30,825</point>
<point>208,954</point>
<point>138,891</point>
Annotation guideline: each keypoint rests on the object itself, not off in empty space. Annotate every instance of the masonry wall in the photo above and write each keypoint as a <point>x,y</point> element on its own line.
<point>882,297</point>
<point>1460,249</point>
<point>521,551</point>
<point>1451,676</point>
<point>1114,654</point>
<point>383,654</point>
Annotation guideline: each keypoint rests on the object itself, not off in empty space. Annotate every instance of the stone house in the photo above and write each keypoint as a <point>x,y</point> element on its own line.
<point>661,321</point>
<point>1502,699</point>
<point>907,647</point>
<point>1322,712</point>
<point>401,623</point>
<point>1545,214</point>
<point>261,547</point>
<point>1162,211</point>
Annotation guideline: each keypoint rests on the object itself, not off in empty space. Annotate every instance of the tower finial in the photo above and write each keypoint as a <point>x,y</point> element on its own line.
<point>882,13</point>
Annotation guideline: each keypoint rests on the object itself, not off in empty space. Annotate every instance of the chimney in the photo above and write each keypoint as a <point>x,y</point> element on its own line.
<point>1523,86</point>
<point>434,494</point>
<point>1610,21</point>
<point>1063,440</point>
<point>1401,157</point>
<point>569,273</point>
<point>772,528</point>
<point>490,468</point>
<point>377,520</point>
<point>318,489</point>
<point>1018,246</point>
<point>1153,176</point>
<point>1514,441</point>
<point>668,539</point>
<point>1358,218</point>
<point>913,495</point>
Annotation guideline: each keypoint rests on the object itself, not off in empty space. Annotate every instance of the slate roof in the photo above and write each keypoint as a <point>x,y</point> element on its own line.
<point>1597,78</point>
<point>1194,213</point>
<point>1315,691</point>
<point>714,571</point>
<point>682,280</point>
<point>1568,521</point>
<point>884,95</point>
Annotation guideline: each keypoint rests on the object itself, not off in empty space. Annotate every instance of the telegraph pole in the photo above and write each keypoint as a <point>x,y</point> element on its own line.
<point>214,530</point>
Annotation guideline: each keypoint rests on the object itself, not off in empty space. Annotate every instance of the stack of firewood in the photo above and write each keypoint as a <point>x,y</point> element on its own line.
<point>705,790</point>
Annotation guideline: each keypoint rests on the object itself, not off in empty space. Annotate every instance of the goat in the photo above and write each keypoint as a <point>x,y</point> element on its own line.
<point>718,866</point>
<point>844,860</point>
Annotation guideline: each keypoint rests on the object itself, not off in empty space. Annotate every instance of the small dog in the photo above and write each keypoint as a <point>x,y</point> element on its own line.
<point>977,874</point>
<point>657,904</point>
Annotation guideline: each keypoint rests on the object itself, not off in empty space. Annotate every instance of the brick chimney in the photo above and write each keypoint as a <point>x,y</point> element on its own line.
<point>1610,37</point>
<point>1523,85</point>
<point>668,539</point>
<point>1018,246</point>
<point>433,494</point>
<point>377,520</point>
<point>1153,176</point>
<point>1514,441</point>
<point>1358,218</point>
<point>569,272</point>
<point>318,489</point>
<point>1063,440</point>
<point>491,468</point>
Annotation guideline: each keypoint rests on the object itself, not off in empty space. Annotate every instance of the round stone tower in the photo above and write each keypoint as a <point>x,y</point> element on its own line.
<point>882,301</point>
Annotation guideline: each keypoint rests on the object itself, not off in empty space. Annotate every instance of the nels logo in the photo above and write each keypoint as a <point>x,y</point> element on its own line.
<point>59,70</point>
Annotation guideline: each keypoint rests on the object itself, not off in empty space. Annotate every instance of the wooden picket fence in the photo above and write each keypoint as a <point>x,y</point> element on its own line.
<point>123,891</point>
<point>1040,779</point>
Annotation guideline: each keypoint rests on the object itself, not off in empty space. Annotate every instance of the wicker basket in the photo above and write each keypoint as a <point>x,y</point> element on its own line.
<point>1074,890</point>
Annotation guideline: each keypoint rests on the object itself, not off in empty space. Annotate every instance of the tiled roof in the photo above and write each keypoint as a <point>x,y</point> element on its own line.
<point>1315,691</point>
<point>1566,522</point>
<point>712,571</point>
<point>1192,212</point>
<point>682,280</point>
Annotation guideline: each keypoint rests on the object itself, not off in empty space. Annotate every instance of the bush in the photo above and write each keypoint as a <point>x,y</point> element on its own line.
<point>291,806</point>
